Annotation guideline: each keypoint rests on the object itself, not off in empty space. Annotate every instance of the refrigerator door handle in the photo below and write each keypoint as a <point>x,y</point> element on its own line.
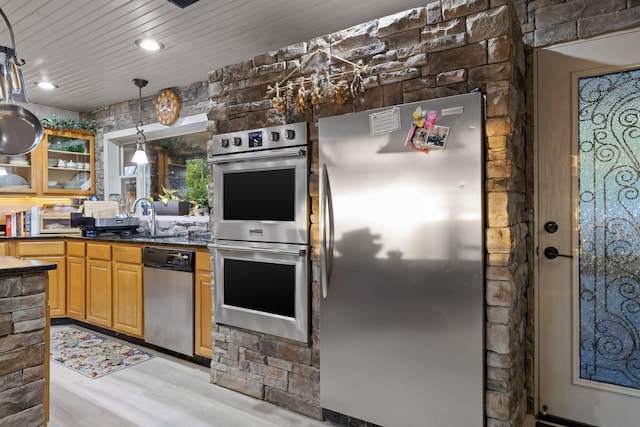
<point>326,231</point>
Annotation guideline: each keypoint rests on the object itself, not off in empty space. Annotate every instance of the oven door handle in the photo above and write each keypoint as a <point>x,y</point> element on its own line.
<point>296,252</point>
<point>326,231</point>
<point>260,155</point>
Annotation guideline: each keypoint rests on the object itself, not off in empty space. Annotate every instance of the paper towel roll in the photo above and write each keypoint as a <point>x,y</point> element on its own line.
<point>35,220</point>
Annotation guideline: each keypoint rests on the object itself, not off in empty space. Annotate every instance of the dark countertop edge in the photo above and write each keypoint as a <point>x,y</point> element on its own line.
<point>35,267</point>
<point>141,239</point>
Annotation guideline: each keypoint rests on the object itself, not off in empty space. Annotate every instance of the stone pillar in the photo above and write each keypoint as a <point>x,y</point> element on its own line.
<point>22,349</point>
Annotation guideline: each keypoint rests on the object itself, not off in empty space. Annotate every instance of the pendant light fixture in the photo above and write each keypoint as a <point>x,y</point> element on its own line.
<point>140,156</point>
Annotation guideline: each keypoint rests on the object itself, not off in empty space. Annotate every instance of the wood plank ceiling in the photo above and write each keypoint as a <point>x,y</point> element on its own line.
<point>87,47</point>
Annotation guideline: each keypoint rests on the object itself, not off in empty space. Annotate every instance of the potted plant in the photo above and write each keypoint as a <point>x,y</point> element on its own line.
<point>170,203</point>
<point>197,178</point>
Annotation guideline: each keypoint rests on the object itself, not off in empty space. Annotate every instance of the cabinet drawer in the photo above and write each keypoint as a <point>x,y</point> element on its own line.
<point>76,249</point>
<point>99,251</point>
<point>130,254</point>
<point>203,260</point>
<point>26,249</point>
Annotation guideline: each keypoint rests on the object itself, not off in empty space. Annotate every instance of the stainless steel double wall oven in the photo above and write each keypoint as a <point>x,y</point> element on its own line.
<point>261,230</point>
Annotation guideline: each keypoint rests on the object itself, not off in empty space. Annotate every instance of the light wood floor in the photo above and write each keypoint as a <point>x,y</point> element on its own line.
<point>164,391</point>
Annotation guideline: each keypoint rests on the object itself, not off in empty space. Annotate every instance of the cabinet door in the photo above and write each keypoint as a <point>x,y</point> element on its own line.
<point>19,174</point>
<point>76,282</point>
<point>99,292</point>
<point>52,251</point>
<point>127,298</point>
<point>57,286</point>
<point>204,317</point>
<point>67,163</point>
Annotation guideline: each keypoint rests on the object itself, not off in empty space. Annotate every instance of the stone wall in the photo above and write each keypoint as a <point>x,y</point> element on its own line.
<point>445,48</point>
<point>22,349</point>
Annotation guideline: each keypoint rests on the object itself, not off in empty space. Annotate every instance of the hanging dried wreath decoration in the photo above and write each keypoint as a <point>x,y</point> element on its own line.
<point>320,87</point>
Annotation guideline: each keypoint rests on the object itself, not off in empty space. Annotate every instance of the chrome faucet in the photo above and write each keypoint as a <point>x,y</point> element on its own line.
<point>152,213</point>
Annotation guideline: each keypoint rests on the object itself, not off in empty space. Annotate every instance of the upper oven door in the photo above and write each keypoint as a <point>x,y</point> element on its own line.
<point>261,196</point>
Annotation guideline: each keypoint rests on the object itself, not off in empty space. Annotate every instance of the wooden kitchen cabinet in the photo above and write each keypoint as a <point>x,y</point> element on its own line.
<point>99,285</point>
<point>76,280</point>
<point>55,252</point>
<point>127,290</point>
<point>67,162</point>
<point>203,315</point>
<point>62,164</point>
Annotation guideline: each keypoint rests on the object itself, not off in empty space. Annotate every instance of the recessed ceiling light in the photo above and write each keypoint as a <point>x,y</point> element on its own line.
<point>46,85</point>
<point>149,44</point>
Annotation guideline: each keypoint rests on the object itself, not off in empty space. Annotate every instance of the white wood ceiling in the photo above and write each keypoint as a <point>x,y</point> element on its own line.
<point>87,46</point>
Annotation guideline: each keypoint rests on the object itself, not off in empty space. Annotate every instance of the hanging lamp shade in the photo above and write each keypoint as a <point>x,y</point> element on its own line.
<point>140,157</point>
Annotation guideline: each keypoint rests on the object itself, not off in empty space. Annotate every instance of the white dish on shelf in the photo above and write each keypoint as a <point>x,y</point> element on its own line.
<point>18,162</point>
<point>11,180</point>
<point>81,177</point>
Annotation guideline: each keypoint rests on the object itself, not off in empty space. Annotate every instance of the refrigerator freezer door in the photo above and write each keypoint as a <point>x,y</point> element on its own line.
<point>402,320</point>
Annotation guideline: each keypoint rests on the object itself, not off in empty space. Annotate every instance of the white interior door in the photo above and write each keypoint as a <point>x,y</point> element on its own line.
<point>588,208</point>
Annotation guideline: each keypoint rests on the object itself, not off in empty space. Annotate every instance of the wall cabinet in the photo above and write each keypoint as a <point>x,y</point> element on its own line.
<point>203,314</point>
<point>99,285</point>
<point>127,290</point>
<point>76,280</point>
<point>49,251</point>
<point>62,164</point>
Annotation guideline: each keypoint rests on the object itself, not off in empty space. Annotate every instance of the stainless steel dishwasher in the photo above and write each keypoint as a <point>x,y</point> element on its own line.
<point>168,298</point>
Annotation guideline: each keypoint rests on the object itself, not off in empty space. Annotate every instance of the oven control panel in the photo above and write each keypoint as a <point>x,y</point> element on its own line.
<point>289,135</point>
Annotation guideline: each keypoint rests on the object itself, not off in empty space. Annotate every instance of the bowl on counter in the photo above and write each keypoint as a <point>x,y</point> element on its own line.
<point>52,184</point>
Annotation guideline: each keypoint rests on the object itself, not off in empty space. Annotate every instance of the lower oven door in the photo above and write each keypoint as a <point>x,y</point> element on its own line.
<point>263,287</point>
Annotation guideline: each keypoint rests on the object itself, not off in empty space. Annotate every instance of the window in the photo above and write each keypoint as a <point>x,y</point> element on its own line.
<point>123,177</point>
<point>177,163</point>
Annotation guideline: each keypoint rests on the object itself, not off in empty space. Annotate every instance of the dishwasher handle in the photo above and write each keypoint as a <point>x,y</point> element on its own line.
<point>171,267</point>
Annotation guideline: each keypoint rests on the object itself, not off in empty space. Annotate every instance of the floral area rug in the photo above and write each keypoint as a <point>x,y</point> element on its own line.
<point>91,355</point>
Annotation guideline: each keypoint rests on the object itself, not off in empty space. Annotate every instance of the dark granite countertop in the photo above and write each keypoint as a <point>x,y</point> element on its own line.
<point>198,241</point>
<point>10,266</point>
<point>155,240</point>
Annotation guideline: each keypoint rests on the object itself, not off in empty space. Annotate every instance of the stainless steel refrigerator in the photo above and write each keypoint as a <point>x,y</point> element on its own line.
<point>401,316</point>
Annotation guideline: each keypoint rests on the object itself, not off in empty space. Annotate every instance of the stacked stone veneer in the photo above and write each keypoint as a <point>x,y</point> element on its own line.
<point>445,48</point>
<point>22,349</point>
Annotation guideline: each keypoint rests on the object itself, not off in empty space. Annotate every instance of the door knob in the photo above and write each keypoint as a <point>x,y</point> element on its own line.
<point>552,253</point>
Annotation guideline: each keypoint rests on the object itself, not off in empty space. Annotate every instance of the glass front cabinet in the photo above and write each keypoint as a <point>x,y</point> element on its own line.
<point>62,164</point>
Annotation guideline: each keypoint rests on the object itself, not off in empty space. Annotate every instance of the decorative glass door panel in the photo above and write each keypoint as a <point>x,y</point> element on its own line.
<point>69,163</point>
<point>609,231</point>
<point>17,173</point>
